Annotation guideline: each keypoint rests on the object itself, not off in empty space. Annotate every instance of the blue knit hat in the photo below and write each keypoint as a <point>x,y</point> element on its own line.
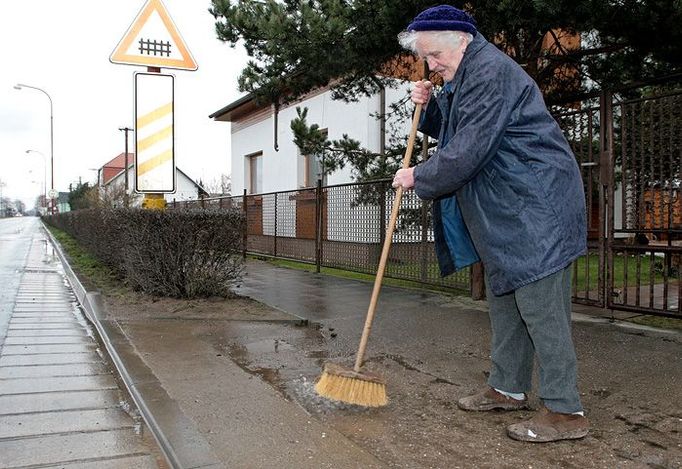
<point>443,18</point>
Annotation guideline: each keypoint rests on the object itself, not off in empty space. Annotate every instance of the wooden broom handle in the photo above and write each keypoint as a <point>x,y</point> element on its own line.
<point>387,244</point>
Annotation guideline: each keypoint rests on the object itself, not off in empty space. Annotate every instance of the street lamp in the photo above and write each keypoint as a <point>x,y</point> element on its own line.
<point>2,213</point>
<point>125,174</point>
<point>44,172</point>
<point>19,86</point>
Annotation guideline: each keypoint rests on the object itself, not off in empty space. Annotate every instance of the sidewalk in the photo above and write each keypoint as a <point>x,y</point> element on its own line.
<point>59,402</point>
<point>240,388</point>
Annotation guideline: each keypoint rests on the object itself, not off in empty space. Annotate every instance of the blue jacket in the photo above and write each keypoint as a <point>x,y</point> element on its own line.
<point>516,181</point>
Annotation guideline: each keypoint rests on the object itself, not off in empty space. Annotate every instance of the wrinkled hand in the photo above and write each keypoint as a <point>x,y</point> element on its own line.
<point>421,93</point>
<point>404,178</point>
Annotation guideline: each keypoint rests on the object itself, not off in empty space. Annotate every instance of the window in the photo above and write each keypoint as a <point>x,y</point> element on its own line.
<point>254,170</point>
<point>313,168</point>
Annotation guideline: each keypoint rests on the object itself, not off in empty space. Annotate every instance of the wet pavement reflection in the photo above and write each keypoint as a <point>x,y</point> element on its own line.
<point>59,400</point>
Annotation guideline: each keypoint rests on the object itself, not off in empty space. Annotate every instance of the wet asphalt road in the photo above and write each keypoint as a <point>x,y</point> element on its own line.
<point>60,404</point>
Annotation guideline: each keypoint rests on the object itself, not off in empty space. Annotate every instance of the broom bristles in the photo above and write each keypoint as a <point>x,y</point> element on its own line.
<point>351,387</point>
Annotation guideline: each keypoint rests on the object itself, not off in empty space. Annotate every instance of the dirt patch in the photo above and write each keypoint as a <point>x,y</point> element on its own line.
<point>633,427</point>
<point>130,305</point>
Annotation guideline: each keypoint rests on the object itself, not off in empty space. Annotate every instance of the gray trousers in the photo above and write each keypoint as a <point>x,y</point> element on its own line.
<point>535,320</point>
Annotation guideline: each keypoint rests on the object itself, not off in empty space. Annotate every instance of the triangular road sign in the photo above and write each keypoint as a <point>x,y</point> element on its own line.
<point>153,40</point>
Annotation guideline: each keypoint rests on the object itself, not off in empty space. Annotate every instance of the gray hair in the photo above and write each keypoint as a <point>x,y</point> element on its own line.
<point>408,39</point>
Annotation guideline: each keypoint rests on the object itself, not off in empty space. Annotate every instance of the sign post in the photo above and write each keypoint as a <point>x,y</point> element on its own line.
<point>154,41</point>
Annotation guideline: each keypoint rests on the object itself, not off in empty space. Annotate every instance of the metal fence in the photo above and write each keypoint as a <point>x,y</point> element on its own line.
<point>343,226</point>
<point>645,228</point>
<point>630,155</point>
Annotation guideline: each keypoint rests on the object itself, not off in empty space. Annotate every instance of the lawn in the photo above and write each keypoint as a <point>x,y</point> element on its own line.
<point>588,267</point>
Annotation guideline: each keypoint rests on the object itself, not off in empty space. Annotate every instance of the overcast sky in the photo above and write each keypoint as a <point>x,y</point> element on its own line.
<point>63,47</point>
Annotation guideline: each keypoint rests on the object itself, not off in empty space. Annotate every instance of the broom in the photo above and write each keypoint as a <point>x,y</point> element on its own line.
<point>354,386</point>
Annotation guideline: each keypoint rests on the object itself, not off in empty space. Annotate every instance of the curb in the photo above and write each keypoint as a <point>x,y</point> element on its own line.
<point>180,443</point>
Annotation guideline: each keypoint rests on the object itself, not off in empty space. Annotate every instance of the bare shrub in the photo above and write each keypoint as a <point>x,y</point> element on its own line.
<point>183,253</point>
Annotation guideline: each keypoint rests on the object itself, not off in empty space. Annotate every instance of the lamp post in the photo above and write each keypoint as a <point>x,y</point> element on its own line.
<point>2,213</point>
<point>19,86</point>
<point>125,172</point>
<point>44,173</point>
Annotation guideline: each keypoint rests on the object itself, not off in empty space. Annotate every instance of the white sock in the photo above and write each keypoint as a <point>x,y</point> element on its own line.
<point>582,413</point>
<point>519,396</point>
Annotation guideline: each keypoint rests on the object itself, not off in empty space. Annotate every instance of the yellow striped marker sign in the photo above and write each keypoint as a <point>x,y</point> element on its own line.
<point>154,134</point>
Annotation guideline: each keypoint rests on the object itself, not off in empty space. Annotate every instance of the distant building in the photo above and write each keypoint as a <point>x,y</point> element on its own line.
<point>111,180</point>
<point>62,203</point>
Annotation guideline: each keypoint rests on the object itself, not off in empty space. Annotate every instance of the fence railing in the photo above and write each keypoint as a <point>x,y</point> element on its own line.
<point>342,226</point>
<point>630,156</point>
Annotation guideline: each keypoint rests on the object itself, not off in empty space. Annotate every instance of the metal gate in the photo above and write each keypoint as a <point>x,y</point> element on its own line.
<point>630,154</point>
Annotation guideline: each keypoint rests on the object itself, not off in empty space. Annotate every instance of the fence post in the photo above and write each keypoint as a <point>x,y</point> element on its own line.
<point>424,268</point>
<point>477,285</point>
<point>425,220</point>
<point>275,242</point>
<point>606,205</point>
<point>318,226</point>
<point>382,218</point>
<point>246,223</point>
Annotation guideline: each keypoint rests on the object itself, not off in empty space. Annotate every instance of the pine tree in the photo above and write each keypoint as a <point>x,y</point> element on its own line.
<point>299,45</point>
<point>350,46</point>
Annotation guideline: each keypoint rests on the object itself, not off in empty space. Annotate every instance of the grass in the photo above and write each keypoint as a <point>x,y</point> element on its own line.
<point>89,269</point>
<point>618,272</point>
<point>658,322</point>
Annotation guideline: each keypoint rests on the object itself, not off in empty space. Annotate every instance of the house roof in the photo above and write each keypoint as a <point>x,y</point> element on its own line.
<point>247,105</point>
<point>236,109</point>
<point>115,166</point>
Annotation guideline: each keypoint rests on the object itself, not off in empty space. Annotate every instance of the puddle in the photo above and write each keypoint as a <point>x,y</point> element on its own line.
<point>266,346</point>
<point>304,392</point>
<point>289,358</point>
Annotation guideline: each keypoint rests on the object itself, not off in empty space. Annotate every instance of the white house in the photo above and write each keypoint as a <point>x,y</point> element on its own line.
<point>264,157</point>
<point>111,179</point>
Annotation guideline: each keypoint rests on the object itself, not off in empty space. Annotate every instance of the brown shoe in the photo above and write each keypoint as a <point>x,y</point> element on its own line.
<point>489,399</point>
<point>550,426</point>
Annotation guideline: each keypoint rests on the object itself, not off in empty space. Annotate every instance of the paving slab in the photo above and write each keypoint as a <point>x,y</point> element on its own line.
<point>49,359</point>
<point>52,449</point>
<point>42,315</point>
<point>56,401</point>
<point>36,319</point>
<point>41,423</point>
<point>46,332</point>
<point>126,462</point>
<point>48,340</point>
<point>57,384</point>
<point>41,326</point>
<point>28,350</point>
<point>46,371</point>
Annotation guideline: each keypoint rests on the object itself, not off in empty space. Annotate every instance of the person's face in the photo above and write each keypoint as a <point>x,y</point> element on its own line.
<point>442,56</point>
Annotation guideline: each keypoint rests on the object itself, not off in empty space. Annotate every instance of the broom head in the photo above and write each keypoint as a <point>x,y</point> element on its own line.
<point>339,383</point>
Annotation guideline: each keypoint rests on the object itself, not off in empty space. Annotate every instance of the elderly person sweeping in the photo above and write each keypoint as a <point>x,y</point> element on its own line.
<point>506,187</point>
